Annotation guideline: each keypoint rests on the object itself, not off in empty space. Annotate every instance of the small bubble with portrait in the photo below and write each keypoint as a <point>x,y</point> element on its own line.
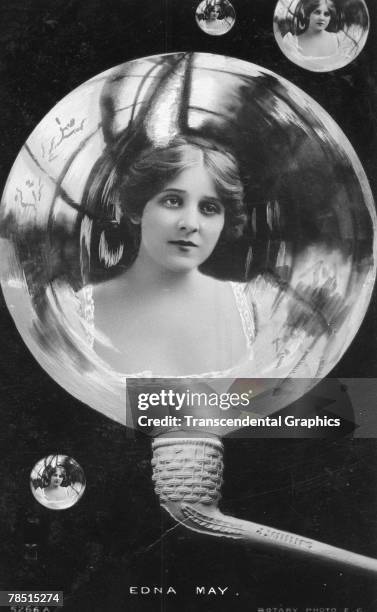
<point>57,482</point>
<point>215,17</point>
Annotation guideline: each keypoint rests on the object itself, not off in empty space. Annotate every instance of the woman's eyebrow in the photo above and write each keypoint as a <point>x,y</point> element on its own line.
<point>173,190</point>
<point>177,190</point>
<point>210,198</point>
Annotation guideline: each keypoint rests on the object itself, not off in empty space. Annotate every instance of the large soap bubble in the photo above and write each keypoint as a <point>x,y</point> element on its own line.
<point>279,292</point>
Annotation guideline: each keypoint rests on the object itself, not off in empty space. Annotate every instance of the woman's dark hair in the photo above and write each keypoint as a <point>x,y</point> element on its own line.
<point>223,6</point>
<point>305,8</point>
<point>156,167</point>
<point>120,194</point>
<point>48,473</point>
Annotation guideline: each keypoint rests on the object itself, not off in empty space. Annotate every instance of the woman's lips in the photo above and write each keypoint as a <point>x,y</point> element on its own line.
<point>183,243</point>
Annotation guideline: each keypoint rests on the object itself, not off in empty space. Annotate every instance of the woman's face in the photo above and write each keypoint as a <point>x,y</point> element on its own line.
<point>320,17</point>
<point>215,12</point>
<point>57,478</point>
<point>181,224</point>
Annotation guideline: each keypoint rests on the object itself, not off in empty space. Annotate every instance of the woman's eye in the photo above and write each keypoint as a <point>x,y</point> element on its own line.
<point>210,208</point>
<point>171,202</point>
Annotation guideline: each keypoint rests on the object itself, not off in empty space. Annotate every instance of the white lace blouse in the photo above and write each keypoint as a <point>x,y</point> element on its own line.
<point>284,337</point>
<point>244,308</point>
<point>339,56</point>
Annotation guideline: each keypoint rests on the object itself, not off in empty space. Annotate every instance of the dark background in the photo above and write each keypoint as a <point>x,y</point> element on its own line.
<point>116,536</point>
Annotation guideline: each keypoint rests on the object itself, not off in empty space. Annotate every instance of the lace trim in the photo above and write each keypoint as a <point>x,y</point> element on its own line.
<point>246,312</point>
<point>87,312</point>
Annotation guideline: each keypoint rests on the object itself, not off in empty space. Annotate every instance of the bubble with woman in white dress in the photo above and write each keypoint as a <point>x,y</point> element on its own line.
<point>57,482</point>
<point>321,35</point>
<point>187,238</point>
<point>215,17</point>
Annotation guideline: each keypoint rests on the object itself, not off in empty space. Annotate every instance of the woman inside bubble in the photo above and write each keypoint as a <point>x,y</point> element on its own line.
<point>57,492</point>
<point>215,16</point>
<point>163,314</point>
<point>318,40</point>
<point>175,207</point>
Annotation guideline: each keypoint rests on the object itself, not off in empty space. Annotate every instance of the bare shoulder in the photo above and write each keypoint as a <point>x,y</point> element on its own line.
<point>110,290</point>
<point>215,285</point>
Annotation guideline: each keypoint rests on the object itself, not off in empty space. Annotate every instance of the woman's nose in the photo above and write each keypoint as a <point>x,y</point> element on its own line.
<point>189,220</point>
